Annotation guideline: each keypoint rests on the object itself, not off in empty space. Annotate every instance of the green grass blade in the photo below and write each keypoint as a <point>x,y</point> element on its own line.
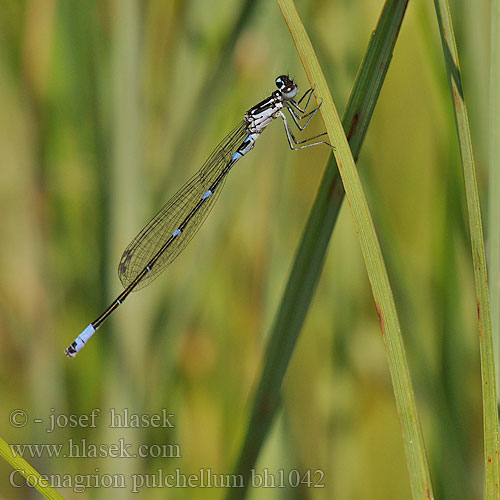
<point>28,472</point>
<point>490,412</point>
<point>312,249</point>
<point>494,185</point>
<point>370,247</point>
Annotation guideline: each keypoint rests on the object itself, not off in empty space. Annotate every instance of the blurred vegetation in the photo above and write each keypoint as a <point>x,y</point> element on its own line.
<point>105,109</point>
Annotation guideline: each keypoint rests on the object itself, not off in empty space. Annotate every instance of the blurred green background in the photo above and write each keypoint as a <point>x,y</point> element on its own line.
<point>106,108</point>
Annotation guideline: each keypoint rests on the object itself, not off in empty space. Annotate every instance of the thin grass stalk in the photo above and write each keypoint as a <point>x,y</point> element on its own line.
<point>127,154</point>
<point>32,476</point>
<point>490,412</point>
<point>412,436</point>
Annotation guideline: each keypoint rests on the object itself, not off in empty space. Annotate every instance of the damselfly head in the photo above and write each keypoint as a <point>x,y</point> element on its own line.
<point>287,87</point>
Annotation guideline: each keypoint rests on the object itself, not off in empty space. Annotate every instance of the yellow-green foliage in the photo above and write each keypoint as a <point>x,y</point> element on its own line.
<point>106,108</point>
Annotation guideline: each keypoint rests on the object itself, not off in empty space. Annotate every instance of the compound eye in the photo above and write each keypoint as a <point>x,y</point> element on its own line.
<point>282,81</point>
<point>287,87</point>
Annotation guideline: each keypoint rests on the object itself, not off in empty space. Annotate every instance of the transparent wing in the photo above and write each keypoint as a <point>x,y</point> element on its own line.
<point>158,231</point>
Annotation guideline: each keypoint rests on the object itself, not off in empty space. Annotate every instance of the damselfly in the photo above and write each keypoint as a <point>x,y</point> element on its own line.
<point>168,233</point>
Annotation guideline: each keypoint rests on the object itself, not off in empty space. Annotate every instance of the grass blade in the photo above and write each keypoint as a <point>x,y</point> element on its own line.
<point>490,412</point>
<point>28,472</point>
<point>370,247</point>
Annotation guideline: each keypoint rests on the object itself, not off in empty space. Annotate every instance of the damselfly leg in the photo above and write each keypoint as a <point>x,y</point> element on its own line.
<point>299,114</point>
<point>292,140</point>
<point>296,117</point>
<point>308,94</point>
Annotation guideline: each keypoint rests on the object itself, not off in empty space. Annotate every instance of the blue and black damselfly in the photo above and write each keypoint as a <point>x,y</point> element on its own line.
<point>168,233</point>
